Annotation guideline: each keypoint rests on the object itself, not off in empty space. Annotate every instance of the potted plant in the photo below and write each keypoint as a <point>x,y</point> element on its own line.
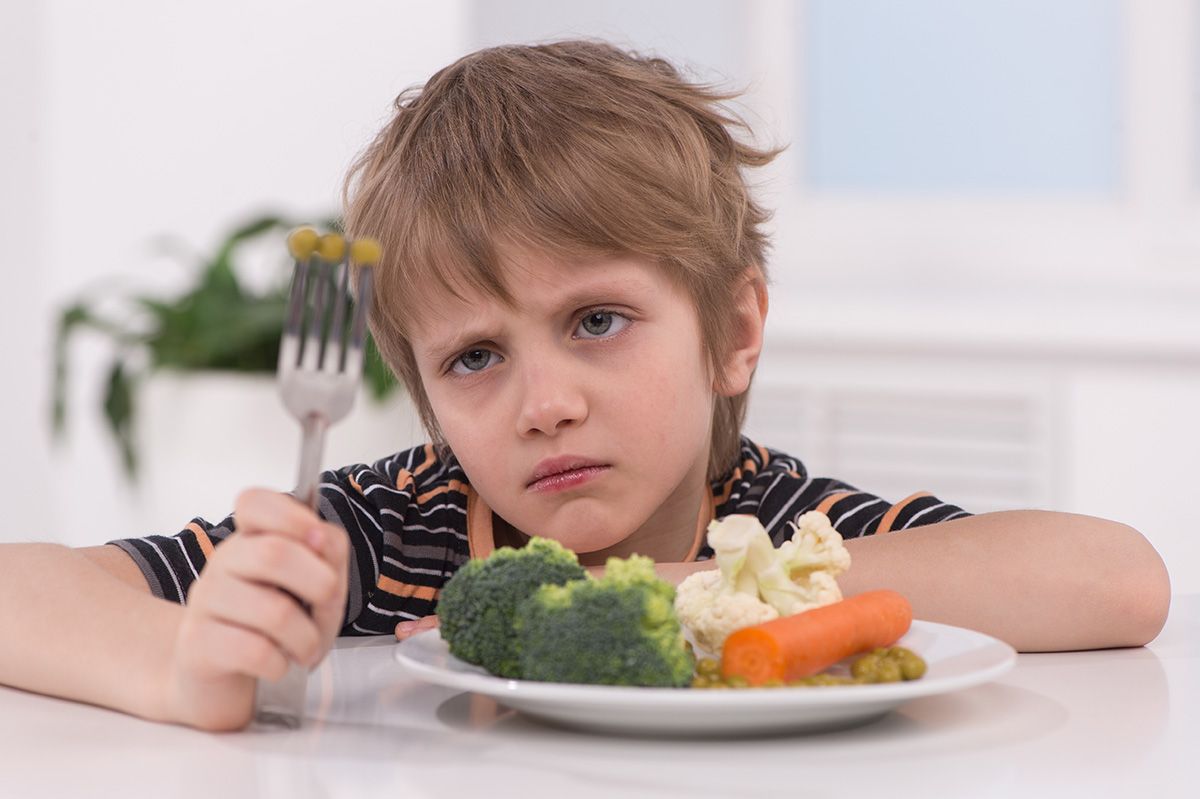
<point>218,324</point>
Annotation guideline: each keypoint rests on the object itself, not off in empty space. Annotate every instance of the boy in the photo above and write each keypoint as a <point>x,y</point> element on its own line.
<point>574,294</point>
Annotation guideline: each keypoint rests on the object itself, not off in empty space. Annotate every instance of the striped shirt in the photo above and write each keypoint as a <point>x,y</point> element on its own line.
<point>413,519</point>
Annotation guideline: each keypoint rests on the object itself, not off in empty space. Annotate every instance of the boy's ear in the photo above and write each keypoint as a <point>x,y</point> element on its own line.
<point>749,317</point>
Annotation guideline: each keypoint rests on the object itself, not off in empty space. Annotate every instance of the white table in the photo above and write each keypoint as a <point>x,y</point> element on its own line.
<point>1109,723</point>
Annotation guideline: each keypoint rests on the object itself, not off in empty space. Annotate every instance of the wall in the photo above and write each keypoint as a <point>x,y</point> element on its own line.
<point>130,122</point>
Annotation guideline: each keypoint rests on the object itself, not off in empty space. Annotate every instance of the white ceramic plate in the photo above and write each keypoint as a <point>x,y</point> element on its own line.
<point>957,658</point>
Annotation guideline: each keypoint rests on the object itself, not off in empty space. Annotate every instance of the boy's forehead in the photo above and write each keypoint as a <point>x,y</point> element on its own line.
<point>536,283</point>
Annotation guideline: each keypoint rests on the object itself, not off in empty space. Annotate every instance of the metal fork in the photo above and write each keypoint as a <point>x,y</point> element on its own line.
<point>320,369</point>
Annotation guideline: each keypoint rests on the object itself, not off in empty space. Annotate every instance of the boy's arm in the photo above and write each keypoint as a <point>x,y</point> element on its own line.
<point>1040,580</point>
<point>118,564</point>
<point>82,624</point>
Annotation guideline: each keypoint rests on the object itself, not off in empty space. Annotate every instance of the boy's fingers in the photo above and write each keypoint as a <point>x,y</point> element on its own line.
<point>260,509</point>
<point>280,562</point>
<point>407,629</point>
<point>228,647</point>
<point>330,542</point>
<point>268,612</point>
<point>334,548</point>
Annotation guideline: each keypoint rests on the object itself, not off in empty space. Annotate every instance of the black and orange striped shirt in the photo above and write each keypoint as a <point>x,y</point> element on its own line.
<point>413,519</point>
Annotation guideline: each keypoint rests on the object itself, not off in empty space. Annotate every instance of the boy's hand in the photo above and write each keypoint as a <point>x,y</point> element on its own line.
<point>407,629</point>
<point>238,625</point>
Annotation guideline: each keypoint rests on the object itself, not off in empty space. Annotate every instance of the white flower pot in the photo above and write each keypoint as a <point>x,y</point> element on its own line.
<point>203,437</point>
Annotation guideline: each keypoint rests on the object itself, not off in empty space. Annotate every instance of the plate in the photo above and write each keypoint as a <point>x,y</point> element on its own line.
<point>957,658</point>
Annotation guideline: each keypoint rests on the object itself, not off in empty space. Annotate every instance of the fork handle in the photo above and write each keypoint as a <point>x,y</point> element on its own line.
<point>281,703</point>
<point>312,446</point>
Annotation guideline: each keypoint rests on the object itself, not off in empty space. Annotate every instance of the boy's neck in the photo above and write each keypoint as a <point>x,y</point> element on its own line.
<point>505,535</point>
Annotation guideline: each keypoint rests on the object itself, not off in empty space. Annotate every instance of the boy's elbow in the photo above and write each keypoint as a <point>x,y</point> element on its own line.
<point>1144,591</point>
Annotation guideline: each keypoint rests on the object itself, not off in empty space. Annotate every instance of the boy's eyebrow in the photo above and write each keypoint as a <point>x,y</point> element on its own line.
<point>594,294</point>
<point>598,292</point>
<point>441,351</point>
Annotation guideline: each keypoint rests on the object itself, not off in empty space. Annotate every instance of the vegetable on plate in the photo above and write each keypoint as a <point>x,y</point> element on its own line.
<point>797,646</point>
<point>478,604</point>
<point>534,613</point>
<point>619,629</point>
<point>755,582</point>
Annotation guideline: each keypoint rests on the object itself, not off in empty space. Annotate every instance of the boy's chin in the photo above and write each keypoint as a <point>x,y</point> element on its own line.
<point>584,543</point>
<point>582,529</point>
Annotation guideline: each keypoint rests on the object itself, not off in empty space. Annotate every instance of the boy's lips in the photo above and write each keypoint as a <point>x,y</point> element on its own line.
<point>564,471</point>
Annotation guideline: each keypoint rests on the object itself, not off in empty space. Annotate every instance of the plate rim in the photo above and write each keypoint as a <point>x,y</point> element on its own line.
<point>474,679</point>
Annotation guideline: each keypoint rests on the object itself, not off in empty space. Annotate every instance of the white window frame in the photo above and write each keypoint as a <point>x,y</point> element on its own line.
<point>1146,235</point>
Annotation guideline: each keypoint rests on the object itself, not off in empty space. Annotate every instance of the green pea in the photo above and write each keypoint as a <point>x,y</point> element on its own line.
<point>912,667</point>
<point>888,671</point>
<point>866,666</point>
<point>737,681</point>
<point>709,667</point>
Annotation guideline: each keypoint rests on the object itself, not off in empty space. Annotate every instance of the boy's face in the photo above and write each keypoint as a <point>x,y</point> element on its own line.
<point>601,364</point>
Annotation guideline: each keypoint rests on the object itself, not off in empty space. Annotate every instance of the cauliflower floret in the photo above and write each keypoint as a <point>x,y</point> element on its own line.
<point>755,582</point>
<point>818,590</point>
<point>812,558</point>
<point>814,545</point>
<point>711,615</point>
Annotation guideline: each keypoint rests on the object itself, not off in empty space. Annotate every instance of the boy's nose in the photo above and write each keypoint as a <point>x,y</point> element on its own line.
<point>551,401</point>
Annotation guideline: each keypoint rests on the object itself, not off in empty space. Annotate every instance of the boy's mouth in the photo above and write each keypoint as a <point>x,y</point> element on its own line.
<point>564,471</point>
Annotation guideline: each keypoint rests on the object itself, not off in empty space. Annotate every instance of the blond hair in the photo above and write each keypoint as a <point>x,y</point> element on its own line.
<point>574,149</point>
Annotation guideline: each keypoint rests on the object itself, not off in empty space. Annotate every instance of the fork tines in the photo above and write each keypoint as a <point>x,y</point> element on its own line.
<point>317,336</point>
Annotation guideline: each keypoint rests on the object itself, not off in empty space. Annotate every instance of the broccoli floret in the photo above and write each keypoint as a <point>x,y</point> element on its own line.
<point>476,606</point>
<point>620,629</point>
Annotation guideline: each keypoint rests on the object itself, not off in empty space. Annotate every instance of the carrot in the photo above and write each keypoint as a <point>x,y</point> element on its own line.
<point>797,646</point>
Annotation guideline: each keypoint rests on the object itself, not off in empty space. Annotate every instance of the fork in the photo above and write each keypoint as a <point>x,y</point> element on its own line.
<point>319,372</point>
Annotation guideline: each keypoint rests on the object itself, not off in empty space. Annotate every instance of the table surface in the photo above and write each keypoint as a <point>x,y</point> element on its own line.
<point>1104,723</point>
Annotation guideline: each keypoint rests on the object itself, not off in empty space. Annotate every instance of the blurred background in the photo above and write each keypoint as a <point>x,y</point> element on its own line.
<point>986,267</point>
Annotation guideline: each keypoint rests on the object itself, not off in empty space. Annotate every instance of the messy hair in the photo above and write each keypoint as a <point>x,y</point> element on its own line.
<point>572,149</point>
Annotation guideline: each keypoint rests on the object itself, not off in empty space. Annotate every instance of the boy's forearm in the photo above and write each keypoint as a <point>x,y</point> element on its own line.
<point>72,630</point>
<point>1039,580</point>
<point>676,573</point>
<point>1036,579</point>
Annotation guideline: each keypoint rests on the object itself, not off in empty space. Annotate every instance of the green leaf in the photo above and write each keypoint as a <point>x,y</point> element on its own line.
<point>218,277</point>
<point>118,410</point>
<point>214,325</point>
<point>378,377</point>
<point>75,317</point>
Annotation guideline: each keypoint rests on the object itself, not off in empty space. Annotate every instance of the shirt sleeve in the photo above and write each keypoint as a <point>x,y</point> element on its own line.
<point>856,513</point>
<point>777,488</point>
<point>171,564</point>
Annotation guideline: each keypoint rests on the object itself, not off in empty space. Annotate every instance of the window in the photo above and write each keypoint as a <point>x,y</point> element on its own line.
<point>985,97</point>
<point>1031,147</point>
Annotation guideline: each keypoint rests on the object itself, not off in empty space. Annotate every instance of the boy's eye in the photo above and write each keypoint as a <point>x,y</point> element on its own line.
<point>475,360</point>
<point>597,324</point>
